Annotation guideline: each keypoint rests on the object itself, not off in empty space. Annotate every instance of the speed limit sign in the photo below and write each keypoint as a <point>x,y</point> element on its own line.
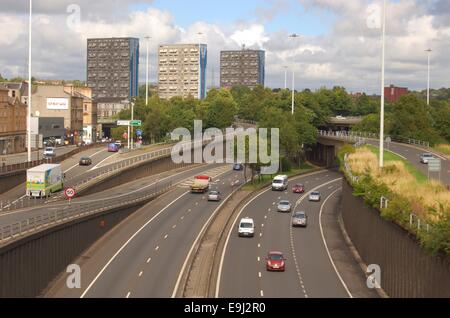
<point>70,193</point>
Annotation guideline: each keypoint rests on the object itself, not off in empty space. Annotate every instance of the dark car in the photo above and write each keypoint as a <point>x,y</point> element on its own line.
<point>238,167</point>
<point>85,161</point>
<point>275,262</point>
<point>298,188</point>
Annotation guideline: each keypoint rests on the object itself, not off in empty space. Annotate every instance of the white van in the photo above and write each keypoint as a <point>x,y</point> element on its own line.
<point>280,183</point>
<point>246,228</point>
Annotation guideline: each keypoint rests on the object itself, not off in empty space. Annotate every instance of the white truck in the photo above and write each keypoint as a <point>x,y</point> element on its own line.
<point>44,180</point>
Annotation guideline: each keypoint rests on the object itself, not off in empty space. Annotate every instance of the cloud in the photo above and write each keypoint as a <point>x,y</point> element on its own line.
<point>348,55</point>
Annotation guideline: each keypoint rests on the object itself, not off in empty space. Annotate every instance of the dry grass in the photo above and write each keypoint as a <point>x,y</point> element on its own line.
<point>444,148</point>
<point>424,197</point>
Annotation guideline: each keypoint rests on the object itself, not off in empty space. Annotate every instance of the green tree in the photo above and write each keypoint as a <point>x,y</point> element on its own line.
<point>220,109</point>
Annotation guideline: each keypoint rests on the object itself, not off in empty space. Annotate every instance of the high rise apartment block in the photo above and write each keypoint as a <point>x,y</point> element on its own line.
<point>113,67</point>
<point>242,67</point>
<point>182,70</point>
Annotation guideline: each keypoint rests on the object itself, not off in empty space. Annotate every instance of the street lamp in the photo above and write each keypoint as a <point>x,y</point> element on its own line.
<point>293,36</point>
<point>146,76</point>
<point>383,54</point>
<point>428,86</point>
<point>29,84</point>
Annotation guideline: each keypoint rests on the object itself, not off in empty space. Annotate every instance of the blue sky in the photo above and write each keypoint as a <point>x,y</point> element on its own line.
<point>292,17</point>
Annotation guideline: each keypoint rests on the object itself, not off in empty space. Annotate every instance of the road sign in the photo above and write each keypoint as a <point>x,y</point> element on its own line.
<point>70,193</point>
<point>139,133</point>
<point>125,135</point>
<point>434,165</point>
<point>123,123</point>
<point>136,123</point>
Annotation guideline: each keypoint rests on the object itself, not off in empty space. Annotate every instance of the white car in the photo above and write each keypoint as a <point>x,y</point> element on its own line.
<point>280,183</point>
<point>49,152</point>
<point>426,157</point>
<point>214,196</point>
<point>314,196</point>
<point>246,227</point>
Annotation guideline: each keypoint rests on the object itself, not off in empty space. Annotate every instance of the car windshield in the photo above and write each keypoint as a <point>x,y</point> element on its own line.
<point>427,155</point>
<point>284,203</point>
<point>315,193</point>
<point>278,181</point>
<point>48,149</point>
<point>276,257</point>
<point>300,215</point>
<point>213,193</point>
<point>299,185</point>
<point>246,225</point>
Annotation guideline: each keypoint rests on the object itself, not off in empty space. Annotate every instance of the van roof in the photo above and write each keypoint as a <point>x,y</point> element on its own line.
<point>247,219</point>
<point>43,167</point>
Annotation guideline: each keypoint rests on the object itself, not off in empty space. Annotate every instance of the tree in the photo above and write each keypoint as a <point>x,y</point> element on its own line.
<point>220,109</point>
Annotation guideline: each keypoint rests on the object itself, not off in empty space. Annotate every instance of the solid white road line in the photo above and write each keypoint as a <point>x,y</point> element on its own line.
<point>177,284</point>
<point>98,164</point>
<point>326,245</point>
<point>95,154</point>
<point>128,242</point>
<point>219,276</point>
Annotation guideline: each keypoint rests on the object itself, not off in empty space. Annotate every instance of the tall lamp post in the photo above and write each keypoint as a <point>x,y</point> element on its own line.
<point>200,34</point>
<point>285,76</point>
<point>428,85</point>
<point>383,54</point>
<point>293,36</point>
<point>29,84</point>
<point>146,73</point>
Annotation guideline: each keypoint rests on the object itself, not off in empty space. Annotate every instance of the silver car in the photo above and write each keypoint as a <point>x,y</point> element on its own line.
<point>214,196</point>
<point>314,196</point>
<point>426,157</point>
<point>300,219</point>
<point>284,206</point>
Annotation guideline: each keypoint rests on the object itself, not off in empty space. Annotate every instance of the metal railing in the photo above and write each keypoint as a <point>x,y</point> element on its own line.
<point>353,135</point>
<point>69,212</point>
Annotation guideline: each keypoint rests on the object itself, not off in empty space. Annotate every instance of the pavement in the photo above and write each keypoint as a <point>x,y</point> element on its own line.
<point>144,255</point>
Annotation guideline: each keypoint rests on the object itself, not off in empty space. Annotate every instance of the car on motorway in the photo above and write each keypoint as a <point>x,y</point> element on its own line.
<point>298,188</point>
<point>284,206</point>
<point>300,219</point>
<point>280,183</point>
<point>214,196</point>
<point>85,161</point>
<point>246,227</point>
<point>112,147</point>
<point>238,167</point>
<point>49,152</point>
<point>426,157</point>
<point>118,143</point>
<point>275,262</point>
<point>315,196</point>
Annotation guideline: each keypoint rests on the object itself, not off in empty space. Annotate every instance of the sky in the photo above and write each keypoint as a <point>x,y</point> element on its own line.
<point>339,43</point>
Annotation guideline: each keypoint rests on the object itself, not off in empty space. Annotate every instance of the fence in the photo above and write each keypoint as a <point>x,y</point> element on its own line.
<point>407,270</point>
<point>354,135</point>
<point>68,212</point>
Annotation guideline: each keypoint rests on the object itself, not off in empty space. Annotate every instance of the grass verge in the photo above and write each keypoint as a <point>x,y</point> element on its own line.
<point>443,148</point>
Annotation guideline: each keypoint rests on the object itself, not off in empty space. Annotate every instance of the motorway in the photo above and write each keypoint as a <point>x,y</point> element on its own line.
<point>145,255</point>
<point>310,273</point>
<point>75,173</point>
<point>35,155</point>
<point>412,154</point>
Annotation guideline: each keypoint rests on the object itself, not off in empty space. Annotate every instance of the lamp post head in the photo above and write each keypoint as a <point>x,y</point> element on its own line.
<point>294,35</point>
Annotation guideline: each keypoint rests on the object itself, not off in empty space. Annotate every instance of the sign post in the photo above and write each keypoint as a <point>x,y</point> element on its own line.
<point>70,194</point>
<point>435,165</point>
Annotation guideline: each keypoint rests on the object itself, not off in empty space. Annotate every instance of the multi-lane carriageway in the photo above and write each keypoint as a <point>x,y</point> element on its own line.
<point>146,255</point>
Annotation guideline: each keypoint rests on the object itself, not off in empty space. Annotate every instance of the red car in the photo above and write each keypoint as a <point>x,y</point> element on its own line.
<point>275,262</point>
<point>298,188</point>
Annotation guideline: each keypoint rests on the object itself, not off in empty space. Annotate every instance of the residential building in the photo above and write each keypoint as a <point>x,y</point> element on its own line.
<point>113,67</point>
<point>13,124</point>
<point>17,90</point>
<point>56,102</point>
<point>90,121</point>
<point>393,93</point>
<point>182,70</point>
<point>242,67</point>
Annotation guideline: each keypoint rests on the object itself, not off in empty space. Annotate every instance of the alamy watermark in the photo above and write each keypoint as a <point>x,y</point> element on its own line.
<point>252,146</point>
<point>374,279</point>
<point>73,280</point>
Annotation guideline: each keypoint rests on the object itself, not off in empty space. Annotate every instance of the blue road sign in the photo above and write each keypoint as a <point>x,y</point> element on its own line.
<point>139,132</point>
